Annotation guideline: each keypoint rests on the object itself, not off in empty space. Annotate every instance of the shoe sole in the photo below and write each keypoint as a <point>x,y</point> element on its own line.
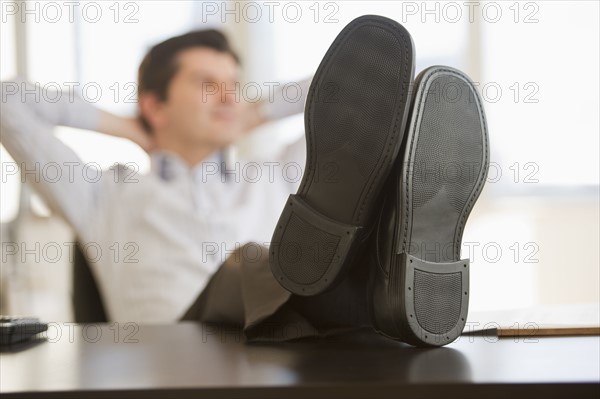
<point>445,164</point>
<point>355,117</point>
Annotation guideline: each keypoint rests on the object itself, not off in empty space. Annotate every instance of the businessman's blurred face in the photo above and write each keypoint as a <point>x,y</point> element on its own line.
<point>201,107</point>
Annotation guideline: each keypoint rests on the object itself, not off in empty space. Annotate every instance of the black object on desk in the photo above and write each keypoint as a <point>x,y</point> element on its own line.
<point>18,329</point>
<point>200,360</point>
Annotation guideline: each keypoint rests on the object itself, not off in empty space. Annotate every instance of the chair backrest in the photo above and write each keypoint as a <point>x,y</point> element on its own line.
<point>87,302</point>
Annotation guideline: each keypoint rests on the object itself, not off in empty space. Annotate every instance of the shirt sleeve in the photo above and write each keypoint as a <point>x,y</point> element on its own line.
<point>293,156</point>
<point>27,120</point>
<point>287,100</point>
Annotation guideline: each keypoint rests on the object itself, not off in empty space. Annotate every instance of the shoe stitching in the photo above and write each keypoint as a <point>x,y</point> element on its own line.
<point>392,138</point>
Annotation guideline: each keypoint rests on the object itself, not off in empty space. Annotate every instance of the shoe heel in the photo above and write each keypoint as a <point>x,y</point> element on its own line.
<point>436,300</point>
<point>310,252</point>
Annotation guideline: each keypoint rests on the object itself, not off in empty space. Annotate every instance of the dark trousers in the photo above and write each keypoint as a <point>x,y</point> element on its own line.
<point>244,293</point>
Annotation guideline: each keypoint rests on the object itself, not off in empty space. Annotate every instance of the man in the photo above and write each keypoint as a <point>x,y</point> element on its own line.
<point>370,239</point>
<point>164,234</point>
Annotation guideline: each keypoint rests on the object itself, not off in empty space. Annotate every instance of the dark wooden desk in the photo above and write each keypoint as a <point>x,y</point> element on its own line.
<point>194,360</point>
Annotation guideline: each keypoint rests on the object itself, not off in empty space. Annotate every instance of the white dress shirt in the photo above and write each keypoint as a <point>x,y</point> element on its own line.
<point>153,240</point>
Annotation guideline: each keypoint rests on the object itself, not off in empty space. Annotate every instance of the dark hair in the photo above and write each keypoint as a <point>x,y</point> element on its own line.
<point>159,66</point>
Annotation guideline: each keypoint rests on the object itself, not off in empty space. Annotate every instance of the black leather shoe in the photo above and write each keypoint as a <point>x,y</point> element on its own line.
<point>419,285</point>
<point>355,118</point>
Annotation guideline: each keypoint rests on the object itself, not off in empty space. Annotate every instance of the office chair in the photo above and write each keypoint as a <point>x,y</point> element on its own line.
<point>87,302</point>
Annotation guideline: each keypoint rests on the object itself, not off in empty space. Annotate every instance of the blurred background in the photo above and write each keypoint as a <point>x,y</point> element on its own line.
<point>533,238</point>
